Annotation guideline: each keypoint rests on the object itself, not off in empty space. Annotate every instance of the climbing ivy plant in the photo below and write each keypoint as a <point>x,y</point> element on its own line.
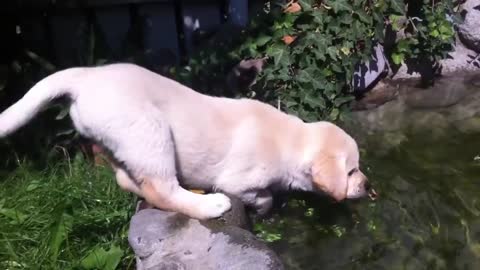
<point>311,48</point>
<point>427,34</point>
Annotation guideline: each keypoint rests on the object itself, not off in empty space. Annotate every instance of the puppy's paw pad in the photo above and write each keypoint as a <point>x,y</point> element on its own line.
<point>215,205</point>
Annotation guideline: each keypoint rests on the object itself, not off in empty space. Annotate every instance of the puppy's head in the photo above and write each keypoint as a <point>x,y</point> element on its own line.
<point>335,166</point>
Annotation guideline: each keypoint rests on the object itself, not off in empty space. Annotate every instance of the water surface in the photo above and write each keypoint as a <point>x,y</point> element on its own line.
<point>428,214</point>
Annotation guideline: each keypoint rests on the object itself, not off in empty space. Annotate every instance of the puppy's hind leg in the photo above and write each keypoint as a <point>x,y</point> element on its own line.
<point>123,179</point>
<point>166,194</point>
<point>263,202</point>
<point>148,154</point>
<point>125,182</point>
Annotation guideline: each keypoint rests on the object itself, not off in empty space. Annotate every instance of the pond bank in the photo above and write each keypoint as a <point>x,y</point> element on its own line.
<point>453,102</point>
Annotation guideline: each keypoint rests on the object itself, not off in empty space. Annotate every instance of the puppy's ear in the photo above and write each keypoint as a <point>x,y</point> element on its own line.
<point>330,175</point>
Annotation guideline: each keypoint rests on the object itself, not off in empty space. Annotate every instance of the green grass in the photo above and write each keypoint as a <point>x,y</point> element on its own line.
<point>68,216</point>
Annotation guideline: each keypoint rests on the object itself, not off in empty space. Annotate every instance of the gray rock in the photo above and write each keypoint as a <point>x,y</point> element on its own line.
<point>469,30</point>
<point>168,240</point>
<point>467,108</point>
<point>436,97</point>
<point>380,94</point>
<point>236,217</point>
<point>453,102</point>
<point>461,59</point>
<point>366,74</point>
<point>465,55</point>
<point>469,125</point>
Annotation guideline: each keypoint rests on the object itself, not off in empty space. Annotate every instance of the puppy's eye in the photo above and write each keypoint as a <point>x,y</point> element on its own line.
<point>352,171</point>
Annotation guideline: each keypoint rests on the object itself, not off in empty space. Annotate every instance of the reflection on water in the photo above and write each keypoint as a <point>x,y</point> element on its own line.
<point>427,216</point>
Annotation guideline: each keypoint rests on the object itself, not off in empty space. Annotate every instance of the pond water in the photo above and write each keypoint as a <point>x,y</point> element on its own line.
<point>427,215</point>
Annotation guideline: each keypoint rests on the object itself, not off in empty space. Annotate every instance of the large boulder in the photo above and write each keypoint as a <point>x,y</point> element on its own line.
<point>469,30</point>
<point>167,241</point>
<point>367,74</point>
<point>453,102</point>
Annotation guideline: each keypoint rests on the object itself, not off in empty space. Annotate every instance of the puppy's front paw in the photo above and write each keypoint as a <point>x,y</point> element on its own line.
<point>263,205</point>
<point>214,205</point>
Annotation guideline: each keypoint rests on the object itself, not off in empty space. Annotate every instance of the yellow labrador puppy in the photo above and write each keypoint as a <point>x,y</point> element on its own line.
<point>165,136</point>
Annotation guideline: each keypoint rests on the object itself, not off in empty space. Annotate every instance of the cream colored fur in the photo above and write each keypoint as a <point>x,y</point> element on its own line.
<point>166,137</point>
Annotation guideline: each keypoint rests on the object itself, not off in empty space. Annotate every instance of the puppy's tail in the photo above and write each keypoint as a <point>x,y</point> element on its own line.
<point>39,96</point>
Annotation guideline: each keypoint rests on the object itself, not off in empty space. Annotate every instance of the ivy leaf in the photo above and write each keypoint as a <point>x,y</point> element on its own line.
<point>396,21</point>
<point>342,100</point>
<point>262,40</point>
<point>323,40</point>
<point>445,29</point>
<point>279,34</point>
<point>339,5</point>
<point>283,74</point>
<point>398,6</point>
<point>434,33</point>
<point>332,52</point>
<point>304,77</point>
<point>336,67</point>
<point>314,101</point>
<point>318,18</point>
<point>363,16</point>
<point>346,19</point>
<point>268,74</point>
<point>398,58</point>
<point>306,61</point>
<point>327,72</point>
<point>278,52</point>
<point>334,114</point>
<point>330,89</point>
<point>358,30</point>
<point>306,6</point>
<point>403,46</point>
<point>320,54</point>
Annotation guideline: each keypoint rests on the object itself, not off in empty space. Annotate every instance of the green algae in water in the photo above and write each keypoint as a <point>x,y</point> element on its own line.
<point>427,215</point>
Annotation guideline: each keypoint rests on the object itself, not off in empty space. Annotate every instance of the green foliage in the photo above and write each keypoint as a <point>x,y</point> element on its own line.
<point>311,54</point>
<point>70,216</point>
<point>428,36</point>
<point>267,234</point>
